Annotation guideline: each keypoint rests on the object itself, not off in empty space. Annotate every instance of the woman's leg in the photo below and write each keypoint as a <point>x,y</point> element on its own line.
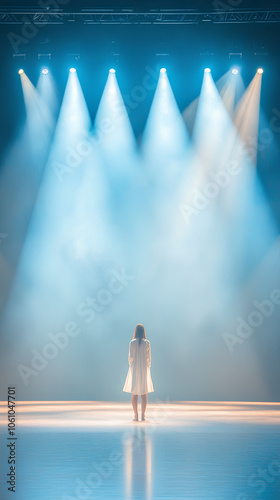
<point>135,404</point>
<point>144,403</point>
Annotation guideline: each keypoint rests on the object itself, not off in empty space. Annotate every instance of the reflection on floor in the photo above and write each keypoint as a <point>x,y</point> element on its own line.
<point>184,450</point>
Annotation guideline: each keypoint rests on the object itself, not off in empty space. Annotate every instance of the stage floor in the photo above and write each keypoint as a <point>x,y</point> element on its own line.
<point>184,450</point>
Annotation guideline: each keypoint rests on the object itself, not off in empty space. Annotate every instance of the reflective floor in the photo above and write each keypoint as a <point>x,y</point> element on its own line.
<point>86,451</point>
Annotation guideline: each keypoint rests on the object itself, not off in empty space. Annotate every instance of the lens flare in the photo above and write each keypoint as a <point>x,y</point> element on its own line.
<point>234,71</point>
<point>260,71</point>
<point>207,70</point>
<point>21,71</point>
<point>45,71</point>
<point>163,70</point>
<point>112,71</point>
<point>73,70</point>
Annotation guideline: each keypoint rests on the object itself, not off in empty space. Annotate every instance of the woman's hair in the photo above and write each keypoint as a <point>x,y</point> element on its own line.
<point>139,333</point>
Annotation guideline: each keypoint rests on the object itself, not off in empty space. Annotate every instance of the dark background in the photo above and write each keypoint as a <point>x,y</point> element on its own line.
<point>137,46</point>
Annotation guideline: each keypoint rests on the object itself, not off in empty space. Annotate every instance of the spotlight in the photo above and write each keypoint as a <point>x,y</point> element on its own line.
<point>21,71</point>
<point>72,70</point>
<point>163,70</point>
<point>112,71</point>
<point>234,71</point>
<point>45,71</point>
<point>207,70</point>
<point>260,71</point>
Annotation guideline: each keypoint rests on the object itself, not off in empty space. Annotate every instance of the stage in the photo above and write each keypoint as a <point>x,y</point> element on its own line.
<point>184,450</point>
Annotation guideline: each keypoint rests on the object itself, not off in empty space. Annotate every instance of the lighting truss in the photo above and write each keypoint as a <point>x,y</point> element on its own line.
<point>129,16</point>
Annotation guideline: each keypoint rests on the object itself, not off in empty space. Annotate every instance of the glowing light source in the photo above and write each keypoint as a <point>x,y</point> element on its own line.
<point>120,140</point>
<point>73,70</point>
<point>165,139</point>
<point>21,71</point>
<point>247,114</point>
<point>234,71</point>
<point>45,71</point>
<point>260,71</point>
<point>163,70</point>
<point>207,70</point>
<point>112,71</point>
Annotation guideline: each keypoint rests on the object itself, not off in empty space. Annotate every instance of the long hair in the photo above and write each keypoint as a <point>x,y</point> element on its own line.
<point>139,333</point>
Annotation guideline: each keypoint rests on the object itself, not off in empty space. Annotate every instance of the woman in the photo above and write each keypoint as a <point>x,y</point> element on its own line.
<point>139,380</point>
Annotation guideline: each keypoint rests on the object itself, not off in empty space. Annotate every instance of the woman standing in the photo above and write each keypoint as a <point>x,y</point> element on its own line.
<point>139,380</point>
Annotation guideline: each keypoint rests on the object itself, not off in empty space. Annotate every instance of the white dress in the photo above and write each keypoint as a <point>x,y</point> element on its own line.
<point>139,380</point>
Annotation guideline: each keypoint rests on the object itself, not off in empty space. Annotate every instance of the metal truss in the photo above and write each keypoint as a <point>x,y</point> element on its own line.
<point>129,16</point>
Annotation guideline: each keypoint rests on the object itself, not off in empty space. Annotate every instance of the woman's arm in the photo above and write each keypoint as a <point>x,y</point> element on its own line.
<point>148,354</point>
<point>130,353</point>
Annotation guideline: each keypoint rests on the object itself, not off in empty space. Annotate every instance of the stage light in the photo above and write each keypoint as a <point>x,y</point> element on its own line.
<point>73,70</point>
<point>163,70</point>
<point>119,140</point>
<point>165,140</point>
<point>21,71</point>
<point>234,71</point>
<point>207,70</point>
<point>260,71</point>
<point>45,71</point>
